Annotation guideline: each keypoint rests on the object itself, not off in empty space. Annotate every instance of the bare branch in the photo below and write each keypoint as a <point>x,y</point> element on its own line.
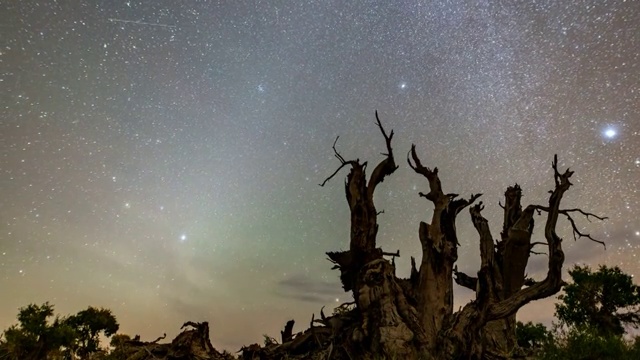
<point>576,232</point>
<point>346,305</point>
<point>387,139</point>
<point>395,254</point>
<point>455,206</point>
<point>385,167</point>
<point>553,281</point>
<point>465,280</point>
<point>335,152</point>
<point>586,214</point>
<point>435,194</point>
<point>531,251</point>
<point>486,239</point>
<point>159,338</point>
<point>579,233</point>
<point>343,162</point>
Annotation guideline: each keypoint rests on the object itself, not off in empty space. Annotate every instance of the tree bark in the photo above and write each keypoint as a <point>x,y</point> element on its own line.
<point>364,216</point>
<point>439,253</point>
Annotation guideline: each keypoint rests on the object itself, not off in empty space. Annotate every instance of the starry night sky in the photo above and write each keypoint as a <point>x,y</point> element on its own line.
<point>162,158</point>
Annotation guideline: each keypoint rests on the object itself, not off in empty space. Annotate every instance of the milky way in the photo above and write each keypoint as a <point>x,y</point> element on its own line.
<point>162,158</point>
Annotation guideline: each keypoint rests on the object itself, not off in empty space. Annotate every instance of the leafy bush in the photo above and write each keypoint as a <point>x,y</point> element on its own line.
<point>587,344</point>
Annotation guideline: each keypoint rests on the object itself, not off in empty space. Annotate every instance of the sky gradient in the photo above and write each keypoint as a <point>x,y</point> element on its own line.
<point>162,158</point>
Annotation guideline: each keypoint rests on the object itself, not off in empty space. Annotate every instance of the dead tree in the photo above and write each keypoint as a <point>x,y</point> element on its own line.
<point>191,344</point>
<point>364,223</point>
<point>414,317</point>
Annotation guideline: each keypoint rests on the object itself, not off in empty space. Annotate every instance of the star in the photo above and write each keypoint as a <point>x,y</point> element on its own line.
<point>610,132</point>
<point>183,237</point>
<point>403,85</point>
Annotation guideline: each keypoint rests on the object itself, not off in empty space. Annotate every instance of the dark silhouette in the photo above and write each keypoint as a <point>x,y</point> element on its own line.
<point>606,300</point>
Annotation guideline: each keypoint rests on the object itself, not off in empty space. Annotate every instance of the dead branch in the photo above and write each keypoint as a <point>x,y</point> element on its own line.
<point>346,305</point>
<point>435,194</point>
<point>455,206</point>
<point>395,254</point>
<point>287,333</point>
<point>343,162</point>
<point>386,167</point>
<point>159,338</point>
<point>553,281</point>
<point>465,280</point>
<point>576,232</point>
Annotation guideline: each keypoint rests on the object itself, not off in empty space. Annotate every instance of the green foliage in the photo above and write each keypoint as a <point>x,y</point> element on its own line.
<point>589,343</point>
<point>119,340</point>
<point>88,325</point>
<point>36,337</point>
<point>531,336</point>
<point>605,300</point>
<point>16,343</point>
<point>33,318</point>
<point>119,350</point>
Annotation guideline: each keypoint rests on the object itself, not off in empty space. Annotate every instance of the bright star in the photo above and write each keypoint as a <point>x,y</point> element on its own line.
<point>610,133</point>
<point>183,237</point>
<point>403,85</point>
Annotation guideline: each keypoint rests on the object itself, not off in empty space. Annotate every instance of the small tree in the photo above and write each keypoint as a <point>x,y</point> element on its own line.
<point>89,324</point>
<point>606,300</point>
<point>34,337</point>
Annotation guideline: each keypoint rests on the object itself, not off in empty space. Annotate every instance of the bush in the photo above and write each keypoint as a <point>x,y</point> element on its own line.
<point>587,344</point>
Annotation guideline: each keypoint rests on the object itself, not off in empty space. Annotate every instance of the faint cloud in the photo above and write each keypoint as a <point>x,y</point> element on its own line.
<point>302,288</point>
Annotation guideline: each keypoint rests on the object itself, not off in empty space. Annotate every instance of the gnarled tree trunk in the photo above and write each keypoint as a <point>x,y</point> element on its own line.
<point>411,317</point>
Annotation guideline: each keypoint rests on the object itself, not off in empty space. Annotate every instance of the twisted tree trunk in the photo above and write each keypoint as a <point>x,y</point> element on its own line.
<point>412,317</point>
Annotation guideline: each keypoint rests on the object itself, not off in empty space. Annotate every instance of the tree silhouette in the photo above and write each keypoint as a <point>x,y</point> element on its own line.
<point>408,317</point>
<point>606,300</point>
<point>88,325</point>
<point>34,337</point>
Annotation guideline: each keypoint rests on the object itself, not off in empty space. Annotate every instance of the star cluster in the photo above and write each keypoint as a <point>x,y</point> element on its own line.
<point>162,158</point>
